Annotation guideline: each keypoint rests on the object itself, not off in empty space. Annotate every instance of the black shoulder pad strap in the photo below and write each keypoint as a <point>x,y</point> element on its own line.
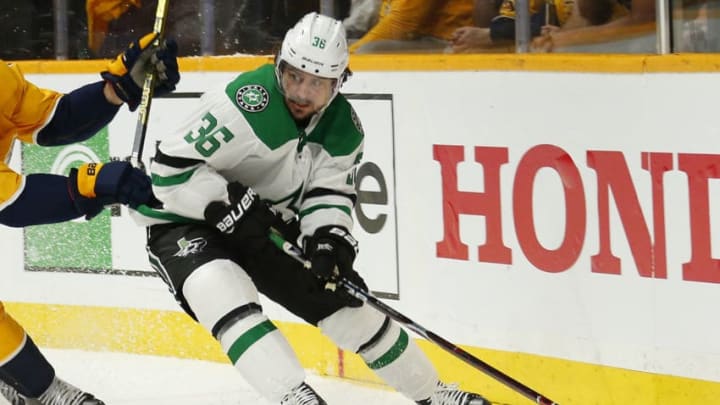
<point>174,161</point>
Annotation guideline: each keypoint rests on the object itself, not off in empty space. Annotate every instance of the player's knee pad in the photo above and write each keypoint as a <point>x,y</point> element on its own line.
<point>220,293</point>
<point>352,328</point>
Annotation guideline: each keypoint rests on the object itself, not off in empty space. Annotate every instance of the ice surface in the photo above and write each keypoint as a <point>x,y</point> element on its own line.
<point>125,379</point>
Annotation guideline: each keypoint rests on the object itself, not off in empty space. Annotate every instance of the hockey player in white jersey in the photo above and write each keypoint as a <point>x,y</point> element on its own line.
<point>276,150</point>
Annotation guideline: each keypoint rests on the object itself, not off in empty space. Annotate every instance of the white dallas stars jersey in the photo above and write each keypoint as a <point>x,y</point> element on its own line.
<point>245,133</point>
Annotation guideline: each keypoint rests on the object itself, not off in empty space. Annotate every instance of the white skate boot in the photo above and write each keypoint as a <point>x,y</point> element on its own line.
<point>11,394</point>
<point>62,393</point>
<point>302,395</point>
<point>449,394</point>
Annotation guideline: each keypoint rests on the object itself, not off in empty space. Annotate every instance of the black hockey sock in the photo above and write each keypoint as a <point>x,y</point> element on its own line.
<point>28,372</point>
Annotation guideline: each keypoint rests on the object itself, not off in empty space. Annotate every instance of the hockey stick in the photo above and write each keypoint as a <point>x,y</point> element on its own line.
<point>148,90</point>
<point>297,254</point>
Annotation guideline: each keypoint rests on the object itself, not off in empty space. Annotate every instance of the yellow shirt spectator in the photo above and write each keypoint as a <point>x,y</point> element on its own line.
<point>100,13</point>
<point>413,19</point>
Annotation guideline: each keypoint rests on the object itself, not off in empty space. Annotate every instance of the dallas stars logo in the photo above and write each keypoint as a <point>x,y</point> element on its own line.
<point>252,98</point>
<point>356,120</point>
<point>189,247</point>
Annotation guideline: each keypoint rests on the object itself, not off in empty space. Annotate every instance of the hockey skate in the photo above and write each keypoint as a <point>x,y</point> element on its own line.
<point>11,394</point>
<point>303,394</point>
<point>449,394</point>
<point>62,393</point>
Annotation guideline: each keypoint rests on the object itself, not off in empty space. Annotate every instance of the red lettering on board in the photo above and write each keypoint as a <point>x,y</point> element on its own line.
<point>562,258</point>
<point>644,230</point>
<point>613,176</point>
<point>699,168</point>
<point>487,203</point>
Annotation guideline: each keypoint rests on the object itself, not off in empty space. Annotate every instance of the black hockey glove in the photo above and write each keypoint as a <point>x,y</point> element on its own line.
<point>246,220</point>
<point>92,186</point>
<point>127,71</point>
<point>331,251</point>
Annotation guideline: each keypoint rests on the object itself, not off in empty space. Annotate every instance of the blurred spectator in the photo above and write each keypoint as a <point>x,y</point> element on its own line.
<point>476,38</point>
<point>484,11</point>
<point>546,15</point>
<point>626,23</point>
<point>99,14</point>
<point>696,27</point>
<point>363,15</point>
<point>113,24</point>
<point>245,26</point>
<point>408,26</point>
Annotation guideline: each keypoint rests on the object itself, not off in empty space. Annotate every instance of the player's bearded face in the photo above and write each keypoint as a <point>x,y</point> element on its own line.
<point>305,94</point>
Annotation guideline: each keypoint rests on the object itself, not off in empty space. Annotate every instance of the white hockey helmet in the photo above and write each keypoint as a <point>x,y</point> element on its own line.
<point>315,45</point>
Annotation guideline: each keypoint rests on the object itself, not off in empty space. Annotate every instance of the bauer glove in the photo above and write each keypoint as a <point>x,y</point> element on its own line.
<point>246,220</point>
<point>127,71</point>
<point>331,251</point>
<point>95,185</point>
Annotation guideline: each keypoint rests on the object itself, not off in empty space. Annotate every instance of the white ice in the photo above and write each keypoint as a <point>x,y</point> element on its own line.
<point>126,379</point>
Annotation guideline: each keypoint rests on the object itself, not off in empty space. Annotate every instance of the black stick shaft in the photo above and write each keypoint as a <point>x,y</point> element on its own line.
<point>451,348</point>
<point>297,254</point>
<point>148,90</point>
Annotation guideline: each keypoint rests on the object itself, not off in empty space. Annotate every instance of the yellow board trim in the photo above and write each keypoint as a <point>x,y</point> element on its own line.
<point>169,333</point>
<point>585,63</point>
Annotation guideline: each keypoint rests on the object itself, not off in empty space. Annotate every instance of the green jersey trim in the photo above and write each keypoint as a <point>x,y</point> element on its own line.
<point>314,208</point>
<point>166,216</point>
<point>174,180</point>
<point>339,131</point>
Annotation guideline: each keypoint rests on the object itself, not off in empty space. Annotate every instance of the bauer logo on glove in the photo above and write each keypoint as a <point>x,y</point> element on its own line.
<point>246,221</point>
<point>227,224</point>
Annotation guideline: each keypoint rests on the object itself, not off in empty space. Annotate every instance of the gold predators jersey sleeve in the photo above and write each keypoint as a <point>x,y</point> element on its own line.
<point>24,110</point>
<point>25,107</point>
